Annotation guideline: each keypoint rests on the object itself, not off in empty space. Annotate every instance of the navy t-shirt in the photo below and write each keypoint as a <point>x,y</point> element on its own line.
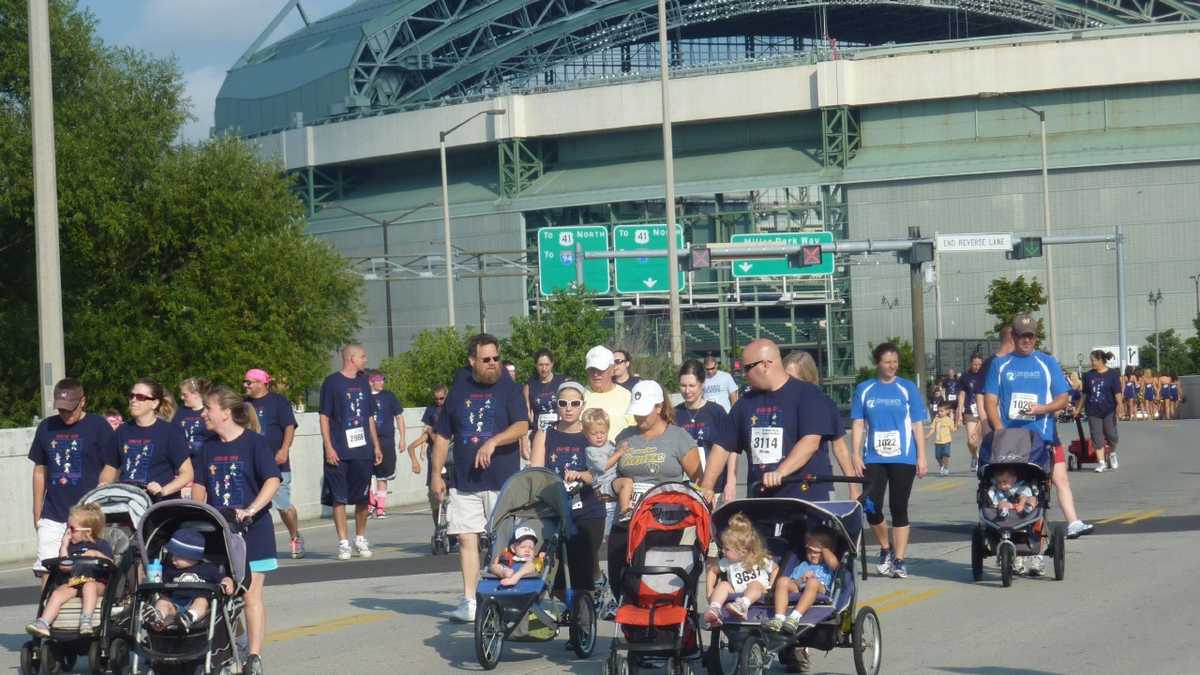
<point>274,417</point>
<point>150,454</point>
<point>474,413</point>
<point>194,428</point>
<point>346,402</point>
<point>100,546</point>
<point>704,425</point>
<point>385,406</point>
<point>542,398</point>
<point>970,385</point>
<point>768,424</point>
<point>566,451</point>
<point>630,383</point>
<point>73,456</point>
<point>203,572</point>
<point>234,472</point>
<point>1102,390</point>
<point>950,386</point>
<point>429,418</point>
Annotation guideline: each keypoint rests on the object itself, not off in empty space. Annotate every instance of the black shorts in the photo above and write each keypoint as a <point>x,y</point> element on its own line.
<point>348,482</point>
<point>386,469</point>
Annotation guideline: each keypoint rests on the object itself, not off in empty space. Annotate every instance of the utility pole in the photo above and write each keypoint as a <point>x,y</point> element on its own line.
<point>1156,298</point>
<point>1196,280</point>
<point>45,200</point>
<point>669,178</point>
<point>917,288</point>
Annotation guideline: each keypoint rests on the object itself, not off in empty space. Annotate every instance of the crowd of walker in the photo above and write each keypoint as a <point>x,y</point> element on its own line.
<point>609,440</point>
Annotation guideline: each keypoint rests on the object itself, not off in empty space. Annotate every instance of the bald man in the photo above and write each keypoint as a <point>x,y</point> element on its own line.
<point>781,423</point>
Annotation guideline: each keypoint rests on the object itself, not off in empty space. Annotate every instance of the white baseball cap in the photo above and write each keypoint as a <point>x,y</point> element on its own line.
<point>600,358</point>
<point>646,394</point>
<point>524,532</point>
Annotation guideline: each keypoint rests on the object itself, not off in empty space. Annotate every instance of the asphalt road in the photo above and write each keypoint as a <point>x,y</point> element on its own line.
<point>1127,603</point>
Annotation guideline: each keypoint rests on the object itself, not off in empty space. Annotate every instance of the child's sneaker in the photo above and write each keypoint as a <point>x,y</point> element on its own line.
<point>791,625</point>
<point>38,628</point>
<point>774,624</point>
<point>739,607</point>
<point>712,617</point>
<point>85,625</point>
<point>361,547</point>
<point>297,547</point>
<point>885,562</point>
<point>343,550</point>
<point>899,571</point>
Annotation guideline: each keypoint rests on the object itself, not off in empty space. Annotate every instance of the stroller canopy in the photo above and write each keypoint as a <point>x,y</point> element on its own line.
<point>844,518</point>
<point>120,499</point>
<point>221,543</point>
<point>1015,446</point>
<point>536,495</point>
<point>668,507</point>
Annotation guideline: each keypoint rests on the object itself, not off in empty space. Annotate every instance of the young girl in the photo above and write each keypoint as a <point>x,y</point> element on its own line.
<point>84,525</point>
<point>744,567</point>
<point>1150,394</point>
<point>813,576</point>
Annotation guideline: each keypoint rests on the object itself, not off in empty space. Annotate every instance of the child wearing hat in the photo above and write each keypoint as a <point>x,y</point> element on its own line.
<point>518,560</point>
<point>186,565</point>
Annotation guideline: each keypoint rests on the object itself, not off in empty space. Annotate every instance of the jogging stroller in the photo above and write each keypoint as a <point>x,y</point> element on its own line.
<point>108,645</point>
<point>535,498</point>
<point>1012,534</point>
<point>210,645</point>
<point>658,620</point>
<point>744,646</point>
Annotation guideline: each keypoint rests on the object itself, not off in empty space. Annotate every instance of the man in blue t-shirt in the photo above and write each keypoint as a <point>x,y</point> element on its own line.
<point>351,448</point>
<point>278,424</point>
<point>485,416</point>
<point>67,452</point>
<point>780,422</point>
<point>1025,390</point>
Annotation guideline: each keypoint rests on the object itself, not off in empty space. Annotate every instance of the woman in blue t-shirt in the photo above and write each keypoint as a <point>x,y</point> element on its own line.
<point>888,412</point>
<point>704,420</point>
<point>1101,400</point>
<point>239,472</point>
<point>150,450</point>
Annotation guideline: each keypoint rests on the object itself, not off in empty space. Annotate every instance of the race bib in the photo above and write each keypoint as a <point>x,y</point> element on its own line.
<point>1019,405</point>
<point>951,397</point>
<point>887,443</point>
<point>639,491</point>
<point>356,437</point>
<point>544,420</point>
<point>766,445</point>
<point>974,410</point>
<point>740,577</point>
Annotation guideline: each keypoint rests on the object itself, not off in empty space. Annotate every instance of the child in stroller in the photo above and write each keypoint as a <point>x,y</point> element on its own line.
<point>745,568</point>
<point>520,559</point>
<point>86,580</point>
<point>811,577</point>
<point>186,565</point>
<point>1008,493</point>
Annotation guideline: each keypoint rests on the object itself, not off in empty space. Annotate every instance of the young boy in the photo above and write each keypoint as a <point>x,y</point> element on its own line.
<point>602,461</point>
<point>1008,494</point>
<point>187,565</point>
<point>518,560</point>
<point>810,578</point>
<point>942,430</point>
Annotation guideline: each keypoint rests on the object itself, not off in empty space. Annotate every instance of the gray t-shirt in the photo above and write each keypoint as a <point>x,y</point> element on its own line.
<point>655,460</point>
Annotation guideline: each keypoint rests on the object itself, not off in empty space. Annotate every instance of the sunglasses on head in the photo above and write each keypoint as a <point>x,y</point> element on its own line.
<point>134,396</point>
<point>573,403</point>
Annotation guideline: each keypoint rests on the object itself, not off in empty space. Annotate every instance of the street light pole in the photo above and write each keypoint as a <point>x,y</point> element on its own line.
<point>446,211</point>
<point>1196,280</point>
<point>1155,298</point>
<point>669,178</point>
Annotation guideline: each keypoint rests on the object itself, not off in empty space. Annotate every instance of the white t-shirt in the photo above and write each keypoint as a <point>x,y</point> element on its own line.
<point>739,576</point>
<point>717,389</point>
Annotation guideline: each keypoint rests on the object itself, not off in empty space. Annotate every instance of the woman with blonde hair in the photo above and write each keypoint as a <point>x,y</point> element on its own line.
<point>744,567</point>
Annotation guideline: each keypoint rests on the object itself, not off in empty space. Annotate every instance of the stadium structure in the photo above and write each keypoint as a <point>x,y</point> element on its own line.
<point>863,118</point>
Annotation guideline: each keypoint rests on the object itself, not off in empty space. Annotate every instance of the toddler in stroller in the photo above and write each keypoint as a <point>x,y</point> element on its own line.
<point>186,565</point>
<point>745,567</point>
<point>86,579</point>
<point>520,559</point>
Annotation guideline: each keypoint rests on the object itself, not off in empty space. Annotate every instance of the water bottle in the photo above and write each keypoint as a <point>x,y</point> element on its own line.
<point>154,572</point>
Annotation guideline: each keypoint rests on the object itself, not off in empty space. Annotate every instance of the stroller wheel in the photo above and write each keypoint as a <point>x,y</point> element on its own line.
<point>68,661</point>
<point>29,659</point>
<point>49,658</point>
<point>615,664</point>
<point>95,663</point>
<point>719,659</point>
<point>753,658</point>
<point>1008,557</point>
<point>679,666</point>
<point>1059,542</point>
<point>977,553</point>
<point>583,625</point>
<point>489,634</point>
<point>867,640</point>
<point>118,657</point>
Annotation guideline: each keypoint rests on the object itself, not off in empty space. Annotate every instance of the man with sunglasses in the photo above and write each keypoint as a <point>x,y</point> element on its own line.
<point>719,386</point>
<point>277,423</point>
<point>67,452</point>
<point>622,369</point>
<point>486,417</point>
<point>781,423</point>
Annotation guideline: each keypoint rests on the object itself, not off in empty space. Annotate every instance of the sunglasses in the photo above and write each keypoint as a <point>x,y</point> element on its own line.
<point>141,398</point>
<point>711,370</point>
<point>79,529</point>
<point>489,359</point>
<point>754,364</point>
<point>620,361</point>
<point>574,403</point>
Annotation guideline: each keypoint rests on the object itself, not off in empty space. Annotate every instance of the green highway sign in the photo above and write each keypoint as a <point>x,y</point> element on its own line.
<point>556,258</point>
<point>778,267</point>
<point>644,275</point>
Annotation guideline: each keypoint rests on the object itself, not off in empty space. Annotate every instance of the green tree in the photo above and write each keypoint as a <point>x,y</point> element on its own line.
<point>177,259</point>
<point>907,361</point>
<point>436,354</point>
<point>570,324</point>
<point>1176,356</point>
<point>1006,299</point>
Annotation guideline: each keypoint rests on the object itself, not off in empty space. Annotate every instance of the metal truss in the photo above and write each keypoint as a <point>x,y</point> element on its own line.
<point>467,265</point>
<point>316,185</point>
<point>840,136</point>
<point>446,48</point>
<point>521,163</point>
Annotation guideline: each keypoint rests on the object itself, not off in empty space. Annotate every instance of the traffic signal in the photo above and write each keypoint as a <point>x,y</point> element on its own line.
<point>698,258</point>
<point>809,255</point>
<point>1026,247</point>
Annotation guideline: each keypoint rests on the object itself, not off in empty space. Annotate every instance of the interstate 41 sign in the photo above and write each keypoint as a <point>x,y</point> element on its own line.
<point>556,258</point>
<point>644,275</point>
<point>778,267</point>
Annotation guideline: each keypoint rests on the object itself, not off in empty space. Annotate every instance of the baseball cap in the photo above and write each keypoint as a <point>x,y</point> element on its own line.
<point>524,532</point>
<point>646,394</point>
<point>67,398</point>
<point>257,375</point>
<point>186,543</point>
<point>600,358</point>
<point>1023,324</point>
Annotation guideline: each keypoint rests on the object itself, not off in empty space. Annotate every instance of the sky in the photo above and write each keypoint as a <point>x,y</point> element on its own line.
<point>206,37</point>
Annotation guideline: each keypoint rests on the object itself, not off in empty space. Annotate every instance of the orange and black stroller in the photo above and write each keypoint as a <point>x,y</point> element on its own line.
<point>658,620</point>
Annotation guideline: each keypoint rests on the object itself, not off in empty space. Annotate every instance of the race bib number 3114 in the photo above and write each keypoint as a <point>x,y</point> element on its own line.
<point>766,445</point>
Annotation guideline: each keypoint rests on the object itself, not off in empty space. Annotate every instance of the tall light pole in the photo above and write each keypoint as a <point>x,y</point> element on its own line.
<point>45,201</point>
<point>1047,252</point>
<point>1196,280</point>
<point>1155,298</point>
<point>446,209</point>
<point>664,78</point>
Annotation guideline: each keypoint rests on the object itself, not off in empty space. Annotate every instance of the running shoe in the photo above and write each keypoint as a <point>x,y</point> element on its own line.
<point>1036,566</point>
<point>1112,461</point>
<point>884,566</point>
<point>739,608</point>
<point>465,612</point>
<point>945,471</point>
<point>361,547</point>
<point>791,625</point>
<point>774,624</point>
<point>974,464</point>
<point>184,620</point>
<point>1019,565</point>
<point>1078,529</point>
<point>297,547</point>
<point>610,609</point>
<point>1100,467</point>
<point>712,617</point>
<point>381,514</point>
<point>85,625</point>
<point>38,628</point>
<point>253,665</point>
<point>343,550</point>
<point>899,571</point>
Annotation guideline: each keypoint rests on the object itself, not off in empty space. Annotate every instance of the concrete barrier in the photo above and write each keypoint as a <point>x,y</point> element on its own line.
<point>17,541</point>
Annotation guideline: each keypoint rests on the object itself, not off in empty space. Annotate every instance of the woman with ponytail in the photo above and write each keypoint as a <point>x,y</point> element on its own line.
<point>238,471</point>
<point>150,450</point>
<point>1102,397</point>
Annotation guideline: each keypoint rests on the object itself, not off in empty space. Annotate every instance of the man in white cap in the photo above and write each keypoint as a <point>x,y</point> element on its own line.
<point>604,393</point>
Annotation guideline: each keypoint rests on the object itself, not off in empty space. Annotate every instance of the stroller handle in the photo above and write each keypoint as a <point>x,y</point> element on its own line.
<point>804,479</point>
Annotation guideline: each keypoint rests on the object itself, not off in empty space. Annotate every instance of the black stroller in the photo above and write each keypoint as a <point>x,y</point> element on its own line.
<point>211,645</point>
<point>108,646</point>
<point>1012,534</point>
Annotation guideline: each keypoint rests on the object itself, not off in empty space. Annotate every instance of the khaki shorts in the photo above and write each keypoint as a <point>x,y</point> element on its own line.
<point>49,538</point>
<point>468,512</point>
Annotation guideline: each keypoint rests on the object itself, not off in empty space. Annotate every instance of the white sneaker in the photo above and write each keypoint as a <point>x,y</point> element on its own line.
<point>1078,528</point>
<point>1036,566</point>
<point>361,547</point>
<point>343,550</point>
<point>1112,461</point>
<point>465,612</point>
<point>1100,467</point>
<point>1019,565</point>
<point>945,471</point>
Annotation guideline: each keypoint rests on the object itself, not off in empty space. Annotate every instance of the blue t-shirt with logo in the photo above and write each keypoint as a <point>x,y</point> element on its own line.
<point>1102,390</point>
<point>195,429</point>
<point>889,410</point>
<point>568,452</point>
<point>704,425</point>
<point>385,406</point>
<point>472,414</point>
<point>542,397</point>
<point>346,401</point>
<point>274,417</point>
<point>233,473</point>
<point>73,456</point>
<point>1022,381</point>
<point>150,454</point>
<point>767,424</point>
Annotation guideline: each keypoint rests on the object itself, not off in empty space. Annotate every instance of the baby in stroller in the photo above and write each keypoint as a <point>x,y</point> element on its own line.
<point>812,576</point>
<point>84,524</point>
<point>186,565</point>
<point>744,567</point>
<point>520,559</point>
<point>1008,493</point>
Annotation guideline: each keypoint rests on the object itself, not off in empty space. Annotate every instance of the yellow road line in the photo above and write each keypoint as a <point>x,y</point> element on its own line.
<point>326,627</point>
<point>884,598</point>
<point>1146,515</point>
<point>942,487</point>
<point>910,600</point>
<point>1123,516</point>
